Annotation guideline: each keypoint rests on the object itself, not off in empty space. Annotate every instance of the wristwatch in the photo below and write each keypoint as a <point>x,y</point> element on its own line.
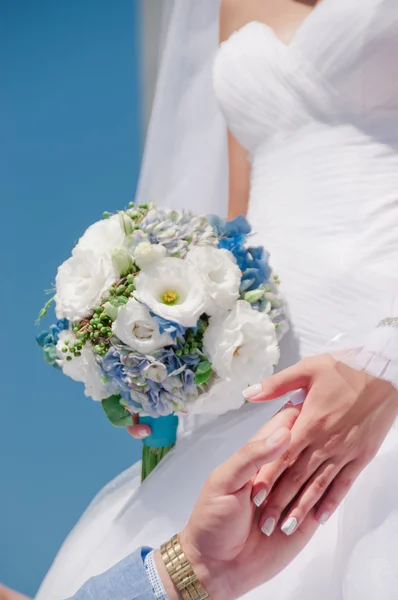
<point>180,570</point>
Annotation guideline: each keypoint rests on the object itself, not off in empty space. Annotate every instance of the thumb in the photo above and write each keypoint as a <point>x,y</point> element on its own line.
<point>294,378</point>
<point>237,471</point>
<point>137,431</point>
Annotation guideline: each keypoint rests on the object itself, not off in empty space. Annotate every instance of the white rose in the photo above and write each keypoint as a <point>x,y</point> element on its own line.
<point>220,274</point>
<point>135,327</point>
<point>172,289</point>
<point>145,254</point>
<point>84,278</point>
<point>81,282</point>
<point>84,368</point>
<point>242,344</point>
<point>223,396</point>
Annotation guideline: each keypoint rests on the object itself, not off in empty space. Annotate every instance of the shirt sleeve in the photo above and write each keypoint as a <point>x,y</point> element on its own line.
<point>127,580</point>
<point>154,579</point>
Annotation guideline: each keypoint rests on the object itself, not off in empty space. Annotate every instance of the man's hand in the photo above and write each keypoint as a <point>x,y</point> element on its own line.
<point>344,420</point>
<point>6,594</point>
<point>222,540</point>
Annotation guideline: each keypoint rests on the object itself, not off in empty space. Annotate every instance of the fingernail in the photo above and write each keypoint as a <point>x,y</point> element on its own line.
<point>289,526</point>
<point>269,526</point>
<point>143,433</point>
<point>276,436</point>
<point>260,497</point>
<point>324,518</point>
<point>252,391</point>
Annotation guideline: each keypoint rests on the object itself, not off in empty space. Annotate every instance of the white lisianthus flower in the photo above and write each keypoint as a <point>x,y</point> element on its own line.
<point>224,395</point>
<point>145,254</point>
<point>220,274</point>
<point>102,237</point>
<point>81,282</point>
<point>173,289</point>
<point>84,368</point>
<point>135,327</point>
<point>84,277</point>
<point>242,344</point>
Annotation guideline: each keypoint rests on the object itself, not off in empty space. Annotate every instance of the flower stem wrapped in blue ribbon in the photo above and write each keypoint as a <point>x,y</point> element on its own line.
<point>162,314</point>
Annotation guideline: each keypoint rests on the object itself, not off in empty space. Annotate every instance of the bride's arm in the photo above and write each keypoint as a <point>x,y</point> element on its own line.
<point>239,166</point>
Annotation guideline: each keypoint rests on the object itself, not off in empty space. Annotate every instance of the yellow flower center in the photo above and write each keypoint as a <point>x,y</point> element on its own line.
<point>236,351</point>
<point>169,297</point>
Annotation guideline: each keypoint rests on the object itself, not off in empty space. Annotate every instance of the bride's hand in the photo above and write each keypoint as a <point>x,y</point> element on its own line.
<point>344,420</point>
<point>222,540</point>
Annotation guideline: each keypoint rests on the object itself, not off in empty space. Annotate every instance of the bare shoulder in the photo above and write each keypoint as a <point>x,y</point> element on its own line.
<point>234,14</point>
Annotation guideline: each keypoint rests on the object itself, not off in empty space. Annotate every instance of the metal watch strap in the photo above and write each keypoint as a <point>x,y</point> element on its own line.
<point>180,570</point>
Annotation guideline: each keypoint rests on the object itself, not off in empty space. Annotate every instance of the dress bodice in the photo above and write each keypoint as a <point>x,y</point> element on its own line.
<point>340,67</point>
<point>319,118</point>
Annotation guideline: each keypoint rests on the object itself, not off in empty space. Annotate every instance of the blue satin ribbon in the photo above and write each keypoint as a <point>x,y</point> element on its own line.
<point>164,431</point>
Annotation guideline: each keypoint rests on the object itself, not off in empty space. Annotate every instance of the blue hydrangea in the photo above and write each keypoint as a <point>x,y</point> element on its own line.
<point>125,374</point>
<point>175,330</point>
<point>252,261</point>
<point>48,340</point>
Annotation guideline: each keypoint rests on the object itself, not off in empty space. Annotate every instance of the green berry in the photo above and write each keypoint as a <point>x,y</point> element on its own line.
<point>99,310</point>
<point>130,278</point>
<point>65,349</point>
<point>106,214</point>
<point>68,358</point>
<point>96,334</point>
<point>77,354</point>
<point>79,346</point>
<point>90,328</point>
<point>104,330</point>
<point>120,290</point>
<point>131,288</point>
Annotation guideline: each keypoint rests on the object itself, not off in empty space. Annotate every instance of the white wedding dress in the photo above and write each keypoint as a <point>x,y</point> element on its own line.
<point>320,120</point>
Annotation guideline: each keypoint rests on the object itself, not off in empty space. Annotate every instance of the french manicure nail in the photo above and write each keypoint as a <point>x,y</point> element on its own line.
<point>252,391</point>
<point>260,497</point>
<point>289,526</point>
<point>268,526</point>
<point>324,518</point>
<point>143,433</point>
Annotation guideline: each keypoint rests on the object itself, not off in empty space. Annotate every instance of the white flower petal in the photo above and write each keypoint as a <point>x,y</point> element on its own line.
<point>242,344</point>
<point>84,368</point>
<point>83,279</point>
<point>136,328</point>
<point>175,276</point>
<point>145,254</point>
<point>220,274</point>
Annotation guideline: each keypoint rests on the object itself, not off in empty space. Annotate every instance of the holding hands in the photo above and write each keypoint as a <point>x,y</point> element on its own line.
<point>222,540</point>
<point>344,421</point>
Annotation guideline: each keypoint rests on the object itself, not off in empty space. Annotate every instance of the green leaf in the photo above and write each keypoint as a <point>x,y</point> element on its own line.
<point>202,378</point>
<point>44,310</point>
<point>203,367</point>
<point>116,413</point>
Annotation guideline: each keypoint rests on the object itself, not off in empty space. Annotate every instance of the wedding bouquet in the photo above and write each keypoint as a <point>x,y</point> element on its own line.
<point>163,313</point>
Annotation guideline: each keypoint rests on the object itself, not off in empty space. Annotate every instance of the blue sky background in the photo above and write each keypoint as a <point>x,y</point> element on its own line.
<point>70,132</point>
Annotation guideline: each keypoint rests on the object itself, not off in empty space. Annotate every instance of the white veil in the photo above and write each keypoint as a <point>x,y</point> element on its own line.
<point>184,167</point>
<point>185,158</point>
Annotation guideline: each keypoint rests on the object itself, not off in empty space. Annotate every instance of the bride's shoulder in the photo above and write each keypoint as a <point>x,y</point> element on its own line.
<point>234,14</point>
